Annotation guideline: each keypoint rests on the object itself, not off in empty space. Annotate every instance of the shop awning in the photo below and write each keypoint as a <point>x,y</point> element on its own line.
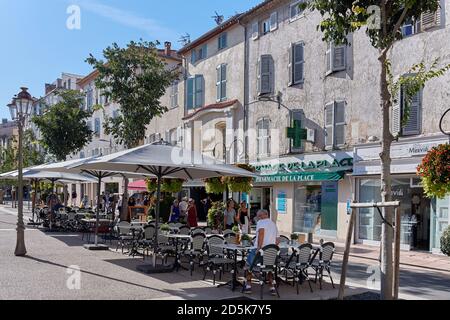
<point>139,185</point>
<point>303,177</point>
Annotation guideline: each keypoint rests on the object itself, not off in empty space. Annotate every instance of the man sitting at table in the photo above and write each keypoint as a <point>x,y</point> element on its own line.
<point>266,234</point>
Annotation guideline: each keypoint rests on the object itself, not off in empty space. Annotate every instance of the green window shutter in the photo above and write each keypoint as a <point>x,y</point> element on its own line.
<point>223,83</point>
<point>266,74</point>
<point>190,93</point>
<point>199,91</point>
<point>193,56</point>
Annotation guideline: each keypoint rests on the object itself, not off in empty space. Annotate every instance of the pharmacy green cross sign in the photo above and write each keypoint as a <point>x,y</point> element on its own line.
<point>297,134</point>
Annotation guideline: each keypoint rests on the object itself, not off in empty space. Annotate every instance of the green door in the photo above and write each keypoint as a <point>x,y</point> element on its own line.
<point>329,217</point>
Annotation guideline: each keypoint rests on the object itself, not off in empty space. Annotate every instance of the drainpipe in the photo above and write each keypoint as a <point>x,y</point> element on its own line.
<point>246,93</point>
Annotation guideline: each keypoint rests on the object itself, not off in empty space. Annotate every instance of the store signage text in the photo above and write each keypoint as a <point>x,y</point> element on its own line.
<point>304,166</point>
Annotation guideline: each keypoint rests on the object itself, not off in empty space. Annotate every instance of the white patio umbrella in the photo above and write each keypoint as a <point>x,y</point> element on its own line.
<point>75,167</point>
<point>34,174</point>
<point>163,161</point>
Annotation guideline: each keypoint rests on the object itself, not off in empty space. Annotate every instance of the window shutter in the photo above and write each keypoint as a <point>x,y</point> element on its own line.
<point>258,76</point>
<point>190,93</point>
<point>329,121</point>
<point>255,31</point>
<point>274,21</point>
<point>266,74</point>
<point>298,63</point>
<point>223,83</point>
<point>205,51</point>
<point>193,56</point>
<point>199,91</point>
<point>339,123</point>
<point>179,136</point>
<point>167,136</point>
<point>329,58</point>
<point>413,124</point>
<point>339,58</point>
<point>290,68</point>
<point>396,116</point>
<point>218,83</point>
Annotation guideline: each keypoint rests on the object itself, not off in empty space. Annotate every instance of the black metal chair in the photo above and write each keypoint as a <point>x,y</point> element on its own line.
<point>266,262</point>
<point>326,254</point>
<point>216,258</point>
<point>196,251</point>
<point>300,265</point>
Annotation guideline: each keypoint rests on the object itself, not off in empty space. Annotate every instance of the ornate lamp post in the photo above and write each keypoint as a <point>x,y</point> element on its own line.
<point>20,109</point>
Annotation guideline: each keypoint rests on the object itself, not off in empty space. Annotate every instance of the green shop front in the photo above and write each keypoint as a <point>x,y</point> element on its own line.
<point>306,193</point>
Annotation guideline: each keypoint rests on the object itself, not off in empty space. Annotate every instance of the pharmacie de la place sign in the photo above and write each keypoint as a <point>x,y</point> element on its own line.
<point>324,167</point>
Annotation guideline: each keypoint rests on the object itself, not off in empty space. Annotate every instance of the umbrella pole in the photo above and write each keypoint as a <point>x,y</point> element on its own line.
<point>158,199</point>
<point>97,210</point>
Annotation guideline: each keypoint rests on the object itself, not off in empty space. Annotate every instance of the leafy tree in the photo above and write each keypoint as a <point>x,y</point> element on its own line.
<point>64,128</point>
<point>135,77</point>
<point>382,21</point>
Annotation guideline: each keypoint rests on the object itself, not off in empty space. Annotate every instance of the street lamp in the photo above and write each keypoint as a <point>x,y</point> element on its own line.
<point>20,109</point>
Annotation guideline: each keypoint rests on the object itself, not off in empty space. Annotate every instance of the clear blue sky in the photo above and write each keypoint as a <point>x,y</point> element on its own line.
<point>36,46</point>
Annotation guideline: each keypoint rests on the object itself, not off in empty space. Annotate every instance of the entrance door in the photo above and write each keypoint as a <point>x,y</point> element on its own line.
<point>440,221</point>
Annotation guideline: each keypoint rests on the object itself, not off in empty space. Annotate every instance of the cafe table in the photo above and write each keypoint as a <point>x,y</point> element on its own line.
<point>235,248</point>
<point>177,264</point>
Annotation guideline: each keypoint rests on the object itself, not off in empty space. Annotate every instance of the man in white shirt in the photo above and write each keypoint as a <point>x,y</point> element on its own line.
<point>266,234</point>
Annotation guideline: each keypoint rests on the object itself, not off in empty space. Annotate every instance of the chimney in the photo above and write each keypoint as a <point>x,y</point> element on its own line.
<point>168,48</point>
<point>49,88</point>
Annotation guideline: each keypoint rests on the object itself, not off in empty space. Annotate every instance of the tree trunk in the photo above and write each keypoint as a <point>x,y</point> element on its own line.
<point>386,185</point>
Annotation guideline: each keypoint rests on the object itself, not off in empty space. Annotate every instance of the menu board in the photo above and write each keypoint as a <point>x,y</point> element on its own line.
<point>138,212</point>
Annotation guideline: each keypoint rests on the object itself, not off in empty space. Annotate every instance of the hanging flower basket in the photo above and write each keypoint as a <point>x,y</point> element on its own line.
<point>172,185</point>
<point>435,172</point>
<point>215,215</point>
<point>241,184</point>
<point>152,184</point>
<point>167,185</point>
<point>215,186</point>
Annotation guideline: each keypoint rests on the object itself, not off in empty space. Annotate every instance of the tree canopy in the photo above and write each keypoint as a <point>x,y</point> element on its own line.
<point>134,77</point>
<point>63,126</point>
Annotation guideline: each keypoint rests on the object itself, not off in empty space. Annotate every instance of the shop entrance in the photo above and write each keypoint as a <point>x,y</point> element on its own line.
<point>260,198</point>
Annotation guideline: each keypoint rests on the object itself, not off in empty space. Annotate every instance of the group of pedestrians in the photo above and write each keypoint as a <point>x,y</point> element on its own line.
<point>184,211</point>
<point>240,218</point>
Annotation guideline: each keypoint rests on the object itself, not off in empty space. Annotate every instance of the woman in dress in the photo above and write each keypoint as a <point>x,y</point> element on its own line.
<point>192,215</point>
<point>175,212</point>
<point>243,218</point>
<point>229,216</point>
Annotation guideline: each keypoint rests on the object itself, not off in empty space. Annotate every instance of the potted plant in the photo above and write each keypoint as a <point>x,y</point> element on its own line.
<point>152,184</point>
<point>445,242</point>
<point>165,228</point>
<point>435,172</point>
<point>215,215</point>
<point>246,240</point>
<point>215,186</point>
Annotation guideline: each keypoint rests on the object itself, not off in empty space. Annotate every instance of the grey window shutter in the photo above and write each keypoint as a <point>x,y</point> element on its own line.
<point>413,123</point>
<point>193,56</point>
<point>255,30</point>
<point>339,123</point>
<point>396,116</point>
<point>298,63</point>
<point>223,84</point>
<point>266,74</point>
<point>274,21</point>
<point>290,67</point>
<point>430,19</point>
<point>329,125</point>
<point>218,83</point>
<point>339,58</point>
<point>258,77</point>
